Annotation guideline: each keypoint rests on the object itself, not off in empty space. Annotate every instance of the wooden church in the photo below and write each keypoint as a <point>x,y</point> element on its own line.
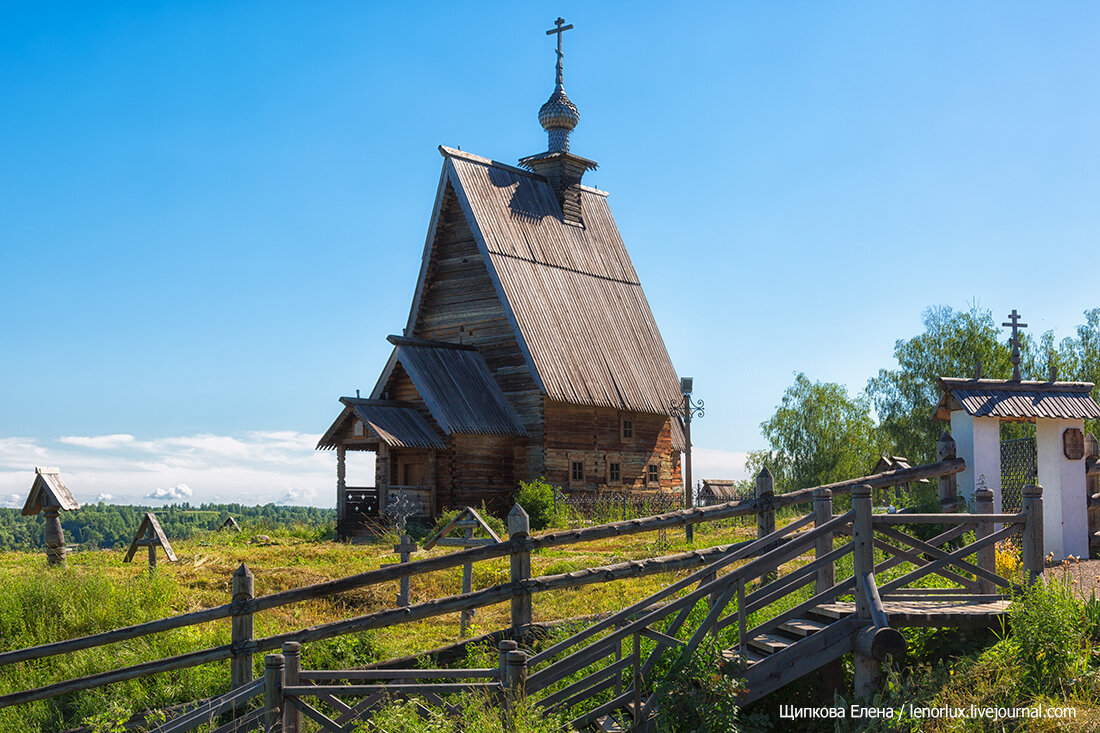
<point>530,349</point>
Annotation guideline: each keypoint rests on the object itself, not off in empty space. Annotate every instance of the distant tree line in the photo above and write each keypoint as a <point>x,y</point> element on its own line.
<point>113,525</point>
<point>821,434</point>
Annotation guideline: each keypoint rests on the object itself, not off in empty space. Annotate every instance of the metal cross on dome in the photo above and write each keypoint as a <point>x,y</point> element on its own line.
<point>1014,322</point>
<point>399,507</point>
<point>561,28</point>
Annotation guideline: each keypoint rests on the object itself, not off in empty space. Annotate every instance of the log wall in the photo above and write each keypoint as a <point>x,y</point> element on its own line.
<point>593,435</point>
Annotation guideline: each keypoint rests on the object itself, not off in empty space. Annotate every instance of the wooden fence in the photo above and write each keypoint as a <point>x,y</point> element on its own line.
<point>520,588</point>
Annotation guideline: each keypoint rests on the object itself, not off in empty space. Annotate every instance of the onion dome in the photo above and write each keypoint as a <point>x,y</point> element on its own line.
<point>558,117</point>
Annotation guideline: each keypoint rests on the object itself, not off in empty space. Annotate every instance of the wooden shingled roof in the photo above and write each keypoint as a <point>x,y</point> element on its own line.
<point>456,385</point>
<point>1017,400</point>
<point>397,424</point>
<point>48,492</point>
<point>570,291</point>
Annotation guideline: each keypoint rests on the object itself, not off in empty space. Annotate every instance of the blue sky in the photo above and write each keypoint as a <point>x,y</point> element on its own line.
<point>211,214</point>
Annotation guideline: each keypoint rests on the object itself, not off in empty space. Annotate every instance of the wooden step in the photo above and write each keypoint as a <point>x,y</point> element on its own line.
<point>802,627</point>
<point>832,610</point>
<point>752,657</point>
<point>770,643</point>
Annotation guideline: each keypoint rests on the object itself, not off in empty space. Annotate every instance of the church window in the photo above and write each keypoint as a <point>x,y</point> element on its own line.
<point>577,471</point>
<point>654,474</point>
<point>614,473</point>
<point>627,424</point>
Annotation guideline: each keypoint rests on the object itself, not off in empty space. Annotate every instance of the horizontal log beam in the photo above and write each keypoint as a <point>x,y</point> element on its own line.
<point>876,481</point>
<point>948,519</point>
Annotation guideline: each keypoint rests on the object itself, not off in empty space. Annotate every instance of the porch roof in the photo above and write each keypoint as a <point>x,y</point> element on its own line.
<point>397,424</point>
<point>1020,401</point>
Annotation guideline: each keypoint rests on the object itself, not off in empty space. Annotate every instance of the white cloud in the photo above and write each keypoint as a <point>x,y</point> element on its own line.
<point>252,468</point>
<point>299,497</point>
<point>172,493</point>
<point>100,442</point>
<point>13,501</point>
<point>718,463</point>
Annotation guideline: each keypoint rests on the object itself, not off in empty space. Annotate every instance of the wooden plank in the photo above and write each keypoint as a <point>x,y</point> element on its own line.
<point>954,558</point>
<point>551,701</point>
<point>441,688</point>
<point>879,519</point>
<point>799,659</point>
<point>919,561</point>
<point>317,675</point>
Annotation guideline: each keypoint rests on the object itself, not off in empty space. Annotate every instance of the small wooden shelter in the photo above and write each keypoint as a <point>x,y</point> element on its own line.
<point>530,349</point>
<point>50,495</point>
<point>719,491</point>
<point>150,535</point>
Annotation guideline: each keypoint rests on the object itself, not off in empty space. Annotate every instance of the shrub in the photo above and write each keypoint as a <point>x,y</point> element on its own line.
<point>537,499</point>
<point>1046,629</point>
<point>696,696</point>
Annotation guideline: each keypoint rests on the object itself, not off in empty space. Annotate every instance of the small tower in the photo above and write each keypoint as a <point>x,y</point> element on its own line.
<point>558,116</point>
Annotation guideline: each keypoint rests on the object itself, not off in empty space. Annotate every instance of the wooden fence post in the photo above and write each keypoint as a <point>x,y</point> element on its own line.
<point>240,667</point>
<point>945,450</point>
<point>866,668</point>
<point>1033,532</point>
<point>823,512</point>
<point>765,512</point>
<point>292,716</point>
<point>406,548</point>
<point>505,647</point>
<point>468,576</point>
<point>519,529</point>
<point>273,692</point>
<point>863,553</point>
<point>987,557</point>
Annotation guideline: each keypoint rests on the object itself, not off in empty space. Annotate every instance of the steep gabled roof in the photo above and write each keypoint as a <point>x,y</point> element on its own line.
<point>456,386</point>
<point>1017,400</point>
<point>570,291</point>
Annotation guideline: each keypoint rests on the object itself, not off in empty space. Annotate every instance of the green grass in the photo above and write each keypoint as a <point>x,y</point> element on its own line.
<point>97,592</point>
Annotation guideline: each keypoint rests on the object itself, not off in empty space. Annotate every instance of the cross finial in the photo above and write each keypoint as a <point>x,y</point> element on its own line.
<point>561,28</point>
<point>1014,322</point>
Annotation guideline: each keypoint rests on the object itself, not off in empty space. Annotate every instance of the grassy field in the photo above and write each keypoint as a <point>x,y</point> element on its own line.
<point>1052,654</point>
<point>98,592</point>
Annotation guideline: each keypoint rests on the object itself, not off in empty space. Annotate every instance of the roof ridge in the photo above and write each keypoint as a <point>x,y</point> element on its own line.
<point>447,152</point>
<point>1024,385</point>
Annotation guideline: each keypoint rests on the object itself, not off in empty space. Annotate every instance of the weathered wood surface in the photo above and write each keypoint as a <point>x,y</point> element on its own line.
<point>211,709</point>
<point>947,467</point>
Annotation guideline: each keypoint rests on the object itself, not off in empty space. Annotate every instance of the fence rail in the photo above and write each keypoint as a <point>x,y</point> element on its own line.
<point>520,588</point>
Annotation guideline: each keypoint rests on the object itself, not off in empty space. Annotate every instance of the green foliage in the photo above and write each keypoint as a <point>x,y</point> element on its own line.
<point>96,526</point>
<point>1046,632</point>
<point>818,435</point>
<point>537,499</point>
<point>479,715</point>
<point>696,696</point>
<point>952,345</point>
<point>492,520</point>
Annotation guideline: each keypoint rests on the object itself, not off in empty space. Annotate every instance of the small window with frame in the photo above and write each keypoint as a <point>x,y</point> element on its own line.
<point>576,471</point>
<point>626,427</point>
<point>614,473</point>
<point>653,474</point>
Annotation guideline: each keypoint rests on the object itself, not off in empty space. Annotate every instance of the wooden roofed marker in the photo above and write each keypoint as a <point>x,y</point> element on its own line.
<point>230,523</point>
<point>469,521</point>
<point>150,535</point>
<point>50,495</point>
<point>1014,322</point>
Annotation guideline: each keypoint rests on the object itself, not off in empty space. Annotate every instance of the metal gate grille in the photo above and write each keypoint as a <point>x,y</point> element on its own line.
<point>1018,469</point>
